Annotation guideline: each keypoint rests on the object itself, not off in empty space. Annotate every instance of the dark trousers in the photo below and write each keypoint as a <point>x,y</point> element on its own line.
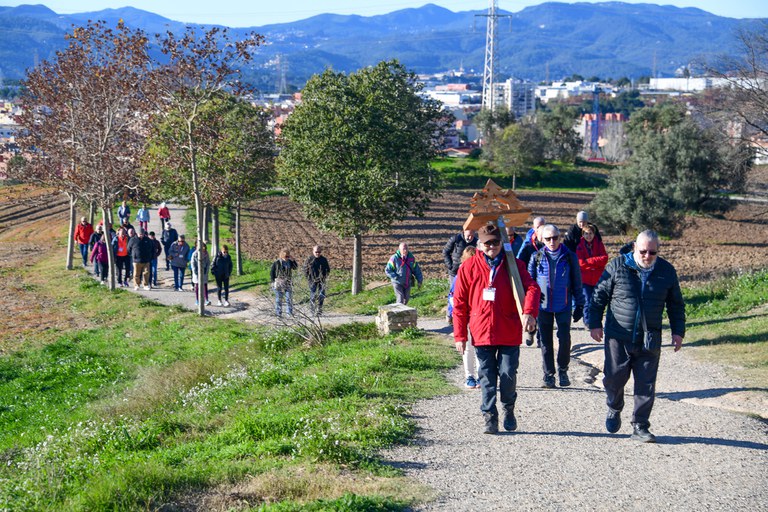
<point>497,364</point>
<point>546,327</point>
<point>587,290</point>
<point>222,284</point>
<point>103,268</point>
<point>316,296</point>
<point>84,253</point>
<point>123,264</point>
<point>178,277</point>
<point>621,359</point>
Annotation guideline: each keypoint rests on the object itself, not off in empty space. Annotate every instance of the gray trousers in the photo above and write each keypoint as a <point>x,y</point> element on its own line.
<point>402,293</point>
<point>621,360</point>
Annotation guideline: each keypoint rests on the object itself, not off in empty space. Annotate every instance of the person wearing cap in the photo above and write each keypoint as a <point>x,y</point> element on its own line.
<point>141,249</point>
<point>636,287</point>
<point>178,254</point>
<point>167,238</point>
<point>402,270</point>
<point>484,304</point>
<point>83,233</point>
<point>573,235</point>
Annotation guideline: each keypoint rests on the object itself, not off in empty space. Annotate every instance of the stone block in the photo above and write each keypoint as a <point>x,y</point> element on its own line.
<point>395,318</point>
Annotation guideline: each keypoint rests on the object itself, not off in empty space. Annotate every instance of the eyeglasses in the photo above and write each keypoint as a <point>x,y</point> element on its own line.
<point>550,238</point>
<point>491,243</point>
<point>652,253</point>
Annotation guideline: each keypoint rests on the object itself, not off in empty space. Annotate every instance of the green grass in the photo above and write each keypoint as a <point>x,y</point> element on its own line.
<point>472,173</point>
<point>149,402</point>
<point>735,294</point>
<point>430,300</point>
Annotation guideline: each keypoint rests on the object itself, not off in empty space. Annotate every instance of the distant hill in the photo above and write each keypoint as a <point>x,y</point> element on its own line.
<point>611,39</point>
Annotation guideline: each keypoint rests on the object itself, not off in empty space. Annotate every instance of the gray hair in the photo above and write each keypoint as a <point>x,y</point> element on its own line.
<point>552,228</point>
<point>538,221</point>
<point>651,236</point>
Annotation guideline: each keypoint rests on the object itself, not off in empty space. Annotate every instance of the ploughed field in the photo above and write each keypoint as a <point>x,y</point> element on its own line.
<point>710,247</point>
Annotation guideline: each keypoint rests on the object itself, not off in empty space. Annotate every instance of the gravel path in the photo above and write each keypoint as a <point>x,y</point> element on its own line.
<point>561,458</point>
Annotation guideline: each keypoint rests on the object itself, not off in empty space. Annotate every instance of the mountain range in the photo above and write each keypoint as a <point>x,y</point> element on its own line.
<point>547,41</point>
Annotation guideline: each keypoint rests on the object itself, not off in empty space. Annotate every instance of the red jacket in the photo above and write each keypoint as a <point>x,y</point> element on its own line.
<point>591,262</point>
<point>494,322</point>
<point>83,233</point>
<point>164,213</point>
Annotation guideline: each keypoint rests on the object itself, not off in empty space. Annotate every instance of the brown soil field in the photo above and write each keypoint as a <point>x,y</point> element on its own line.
<point>710,247</point>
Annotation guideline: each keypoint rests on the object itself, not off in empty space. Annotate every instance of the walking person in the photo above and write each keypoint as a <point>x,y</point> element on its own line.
<point>100,259</point>
<point>469,358</point>
<point>141,250</point>
<point>95,237</point>
<point>636,287</point>
<point>316,270</point>
<point>156,255</point>
<point>201,266</point>
<point>484,304</point>
<point>165,215</point>
<point>178,255</point>
<point>122,260</point>
<point>403,270</point>
<point>281,275</point>
<point>167,238</point>
<point>124,213</point>
<point>452,252</point>
<point>556,270</point>
<point>592,261</point>
<point>83,232</point>
<point>575,232</point>
<point>222,269</point>
<point>142,217</point>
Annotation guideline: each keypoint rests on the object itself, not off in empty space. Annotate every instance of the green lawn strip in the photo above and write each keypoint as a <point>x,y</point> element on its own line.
<point>430,300</point>
<point>152,401</point>
<point>734,294</point>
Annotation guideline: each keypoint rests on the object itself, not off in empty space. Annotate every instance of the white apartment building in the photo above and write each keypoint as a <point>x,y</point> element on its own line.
<point>517,95</point>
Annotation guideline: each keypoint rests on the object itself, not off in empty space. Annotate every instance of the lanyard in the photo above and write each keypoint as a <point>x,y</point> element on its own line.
<point>492,275</point>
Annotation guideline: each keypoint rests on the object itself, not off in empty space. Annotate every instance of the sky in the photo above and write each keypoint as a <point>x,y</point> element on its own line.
<point>249,13</point>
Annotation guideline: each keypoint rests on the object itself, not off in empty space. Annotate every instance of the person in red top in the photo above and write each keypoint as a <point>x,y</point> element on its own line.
<point>592,261</point>
<point>83,233</point>
<point>484,303</point>
<point>164,214</point>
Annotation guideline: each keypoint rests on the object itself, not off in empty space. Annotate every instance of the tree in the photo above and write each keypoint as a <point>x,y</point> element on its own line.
<point>356,152</point>
<point>558,125</point>
<point>196,68</point>
<point>83,117</point>
<point>491,123</point>
<point>520,147</point>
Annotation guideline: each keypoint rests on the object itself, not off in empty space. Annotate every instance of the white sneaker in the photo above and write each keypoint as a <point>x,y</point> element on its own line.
<point>135,287</point>
<point>147,288</point>
<point>226,303</point>
<point>218,303</point>
<point>207,303</point>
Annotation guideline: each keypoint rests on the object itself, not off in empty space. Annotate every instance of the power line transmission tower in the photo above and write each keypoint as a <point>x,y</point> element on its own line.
<point>489,70</point>
<point>281,65</point>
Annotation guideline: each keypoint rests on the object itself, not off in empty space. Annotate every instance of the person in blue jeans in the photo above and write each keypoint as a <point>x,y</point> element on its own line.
<point>281,275</point>
<point>178,255</point>
<point>556,270</point>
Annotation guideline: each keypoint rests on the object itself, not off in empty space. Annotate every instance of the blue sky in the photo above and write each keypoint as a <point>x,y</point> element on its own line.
<point>245,13</point>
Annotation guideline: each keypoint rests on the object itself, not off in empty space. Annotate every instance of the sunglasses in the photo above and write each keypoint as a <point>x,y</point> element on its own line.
<point>652,253</point>
<point>491,243</point>
<point>550,238</point>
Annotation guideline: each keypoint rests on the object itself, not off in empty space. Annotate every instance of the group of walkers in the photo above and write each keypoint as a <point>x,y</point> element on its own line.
<point>316,271</point>
<point>138,251</point>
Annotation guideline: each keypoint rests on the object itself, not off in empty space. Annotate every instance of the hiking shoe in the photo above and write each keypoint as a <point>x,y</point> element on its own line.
<point>510,422</point>
<point>563,378</point>
<point>549,381</point>
<point>491,423</point>
<point>471,383</point>
<point>218,303</point>
<point>613,421</point>
<point>226,303</point>
<point>641,433</point>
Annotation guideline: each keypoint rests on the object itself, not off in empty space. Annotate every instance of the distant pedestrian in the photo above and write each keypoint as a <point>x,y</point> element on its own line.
<point>452,252</point>
<point>165,215</point>
<point>404,272</point>
<point>100,259</point>
<point>83,232</point>
<point>124,213</point>
<point>222,270</point>
<point>141,250</point>
<point>532,244</point>
<point>636,287</point>
<point>592,260</point>
<point>142,217</point>
<point>178,254</point>
<point>122,260</point>
<point>281,276</point>
<point>316,270</point>
<point>574,233</point>
<point>95,237</point>
<point>537,223</point>
<point>167,238</point>
<point>153,264</point>
<point>201,266</point>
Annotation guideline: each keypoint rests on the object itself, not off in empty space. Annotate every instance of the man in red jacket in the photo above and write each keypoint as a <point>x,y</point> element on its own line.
<point>484,303</point>
<point>83,232</point>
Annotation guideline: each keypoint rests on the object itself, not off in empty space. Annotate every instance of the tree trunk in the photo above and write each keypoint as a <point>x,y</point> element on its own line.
<point>206,222</point>
<point>91,213</point>
<point>514,181</point>
<point>71,242</point>
<point>200,212</point>
<point>238,254</point>
<point>105,215</point>
<point>214,249</point>
<point>357,265</point>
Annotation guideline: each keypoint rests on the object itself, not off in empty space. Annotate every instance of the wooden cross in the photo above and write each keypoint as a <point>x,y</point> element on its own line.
<point>492,205</point>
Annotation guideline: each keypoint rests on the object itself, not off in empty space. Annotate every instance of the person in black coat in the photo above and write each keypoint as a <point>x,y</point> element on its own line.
<point>222,269</point>
<point>316,270</point>
<point>636,287</point>
<point>452,257</point>
<point>573,235</point>
<point>141,250</point>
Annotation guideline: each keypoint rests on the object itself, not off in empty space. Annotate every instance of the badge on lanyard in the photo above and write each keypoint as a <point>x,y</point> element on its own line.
<point>489,294</point>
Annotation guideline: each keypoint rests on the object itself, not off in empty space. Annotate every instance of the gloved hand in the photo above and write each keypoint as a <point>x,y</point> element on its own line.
<point>578,313</point>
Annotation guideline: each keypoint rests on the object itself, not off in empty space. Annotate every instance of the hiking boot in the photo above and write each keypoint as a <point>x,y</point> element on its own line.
<point>471,383</point>
<point>491,423</point>
<point>563,377</point>
<point>549,382</point>
<point>641,433</point>
<point>613,421</point>
<point>510,422</point>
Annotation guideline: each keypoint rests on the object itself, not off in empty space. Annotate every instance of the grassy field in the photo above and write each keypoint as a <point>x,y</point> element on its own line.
<point>147,403</point>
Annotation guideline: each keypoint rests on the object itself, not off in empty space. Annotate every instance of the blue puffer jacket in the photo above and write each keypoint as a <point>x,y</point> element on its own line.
<point>559,286</point>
